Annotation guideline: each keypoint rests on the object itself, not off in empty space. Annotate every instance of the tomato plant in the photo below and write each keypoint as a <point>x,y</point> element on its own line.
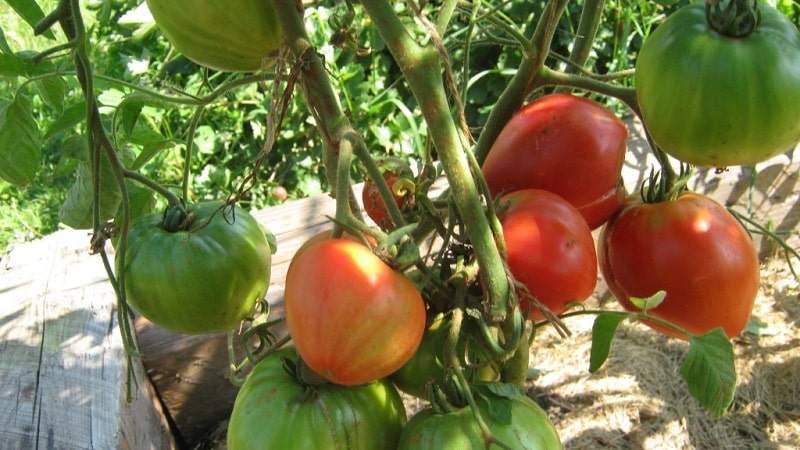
<point>549,247</point>
<point>200,276</point>
<point>430,365</point>
<point>513,419</point>
<point>358,320</point>
<point>714,100</point>
<point>338,87</point>
<point>226,35</point>
<point>565,144</point>
<point>693,249</point>
<point>275,408</point>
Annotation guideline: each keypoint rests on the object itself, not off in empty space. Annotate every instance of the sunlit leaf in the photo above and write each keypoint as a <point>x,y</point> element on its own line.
<point>651,302</point>
<point>603,330</point>
<point>20,141</point>
<point>710,372</point>
<point>77,209</point>
<point>30,12</point>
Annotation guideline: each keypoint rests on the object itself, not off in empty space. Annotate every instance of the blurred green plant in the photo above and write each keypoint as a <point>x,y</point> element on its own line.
<point>148,97</point>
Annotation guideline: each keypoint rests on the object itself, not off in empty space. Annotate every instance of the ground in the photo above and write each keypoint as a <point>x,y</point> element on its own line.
<point>639,401</point>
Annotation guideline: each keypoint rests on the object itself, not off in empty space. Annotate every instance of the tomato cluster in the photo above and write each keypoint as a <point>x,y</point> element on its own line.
<point>556,172</point>
<point>361,328</point>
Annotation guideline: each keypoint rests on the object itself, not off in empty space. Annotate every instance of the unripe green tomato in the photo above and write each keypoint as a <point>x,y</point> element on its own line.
<point>274,410</point>
<point>518,423</point>
<point>224,35</point>
<point>205,279</point>
<point>429,363</point>
<point>713,100</point>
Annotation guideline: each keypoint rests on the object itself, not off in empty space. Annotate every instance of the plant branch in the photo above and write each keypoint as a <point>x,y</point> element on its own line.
<point>422,69</point>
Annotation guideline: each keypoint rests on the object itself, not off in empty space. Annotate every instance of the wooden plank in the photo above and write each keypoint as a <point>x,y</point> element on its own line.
<point>62,363</point>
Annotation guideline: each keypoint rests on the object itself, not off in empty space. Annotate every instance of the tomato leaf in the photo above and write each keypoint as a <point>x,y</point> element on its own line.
<point>710,372</point>
<point>4,47</point>
<point>52,91</point>
<point>498,399</point>
<point>20,142</point>
<point>603,330</point>
<point>76,211</point>
<point>70,116</point>
<point>30,11</point>
<point>649,302</point>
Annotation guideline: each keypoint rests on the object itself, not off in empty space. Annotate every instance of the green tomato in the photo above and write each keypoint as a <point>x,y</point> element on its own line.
<point>275,410</point>
<point>515,420</point>
<point>204,279</point>
<point>429,363</point>
<point>713,100</point>
<point>225,35</point>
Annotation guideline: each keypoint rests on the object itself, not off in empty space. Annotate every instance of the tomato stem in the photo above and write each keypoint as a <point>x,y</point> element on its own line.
<point>323,104</point>
<point>422,69</point>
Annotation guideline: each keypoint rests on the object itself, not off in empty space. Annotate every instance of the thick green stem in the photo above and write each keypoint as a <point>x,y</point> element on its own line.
<point>320,97</point>
<point>591,16</point>
<point>422,70</point>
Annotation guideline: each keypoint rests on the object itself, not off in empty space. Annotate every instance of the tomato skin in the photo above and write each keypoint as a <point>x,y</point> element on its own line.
<point>224,35</point>
<point>374,205</point>
<point>565,144</point>
<point>203,280</point>
<point>549,248</point>
<point>692,248</point>
<point>352,318</point>
<point>711,100</point>
<point>529,428</point>
<point>399,178</point>
<point>429,361</point>
<point>269,412</point>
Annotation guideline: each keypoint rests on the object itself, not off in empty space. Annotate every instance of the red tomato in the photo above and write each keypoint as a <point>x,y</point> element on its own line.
<point>549,247</point>
<point>693,249</point>
<point>565,144</point>
<point>352,318</point>
<point>374,205</point>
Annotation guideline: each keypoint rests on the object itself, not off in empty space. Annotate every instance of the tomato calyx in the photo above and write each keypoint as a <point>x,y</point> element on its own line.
<point>305,376</point>
<point>660,188</point>
<point>177,218</point>
<point>733,18</point>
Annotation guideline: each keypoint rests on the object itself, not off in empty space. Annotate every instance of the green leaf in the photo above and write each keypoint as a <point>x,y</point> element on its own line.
<point>498,398</point>
<point>710,372</point>
<point>141,200</point>
<point>649,302</point>
<point>603,330</point>
<point>70,116</point>
<point>20,142</point>
<point>11,65</point>
<point>30,12</point>
<point>4,47</point>
<point>52,91</point>
<point>128,112</point>
<point>76,211</point>
<point>151,142</point>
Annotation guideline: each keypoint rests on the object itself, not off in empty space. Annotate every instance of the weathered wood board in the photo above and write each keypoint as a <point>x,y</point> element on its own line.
<point>62,364</point>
